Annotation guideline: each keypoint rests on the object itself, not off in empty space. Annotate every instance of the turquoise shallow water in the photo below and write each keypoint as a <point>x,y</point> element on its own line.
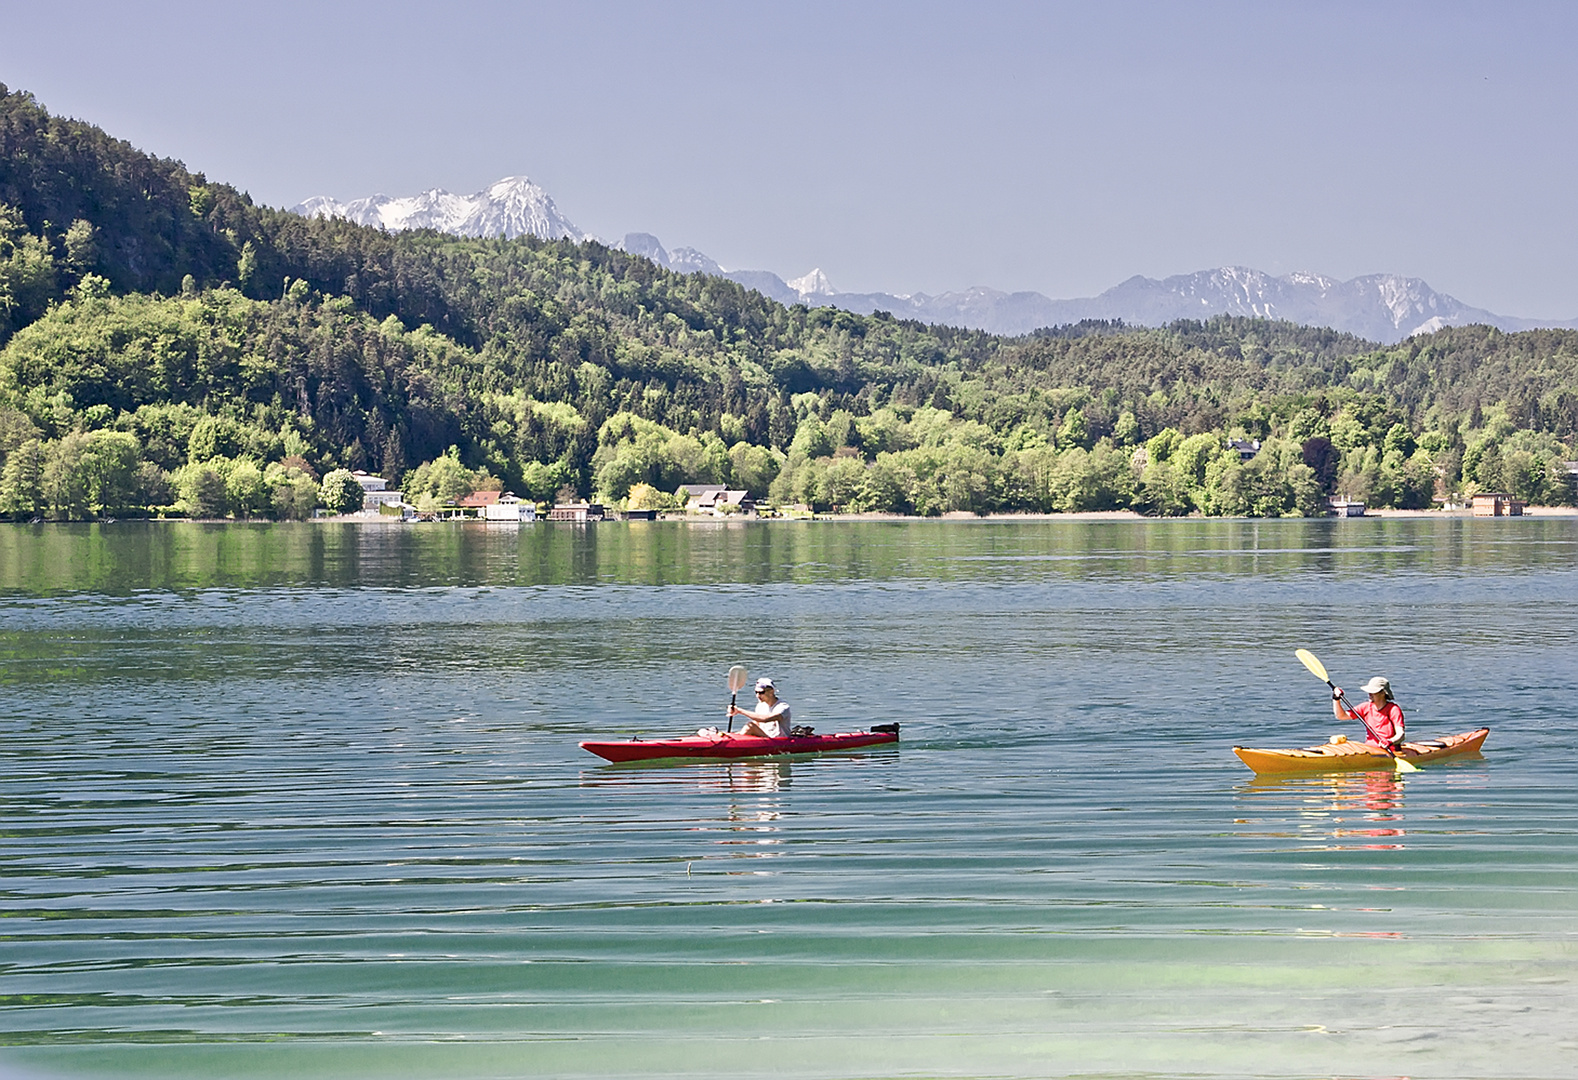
<point>306,801</point>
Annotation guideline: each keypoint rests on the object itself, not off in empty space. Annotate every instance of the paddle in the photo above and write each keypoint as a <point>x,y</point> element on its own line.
<point>738,677</point>
<point>1318,670</point>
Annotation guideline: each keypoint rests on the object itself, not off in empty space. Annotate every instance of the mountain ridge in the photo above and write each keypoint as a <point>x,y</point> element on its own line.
<point>1385,308</point>
<point>511,207</point>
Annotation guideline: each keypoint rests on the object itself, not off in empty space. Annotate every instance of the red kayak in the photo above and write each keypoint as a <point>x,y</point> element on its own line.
<point>725,745</point>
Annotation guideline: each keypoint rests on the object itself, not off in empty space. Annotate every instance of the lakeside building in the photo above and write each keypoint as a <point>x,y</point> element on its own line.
<point>375,491</point>
<point>1346,507</point>
<point>510,508</point>
<point>1497,504</point>
<point>577,512</point>
<point>717,499</point>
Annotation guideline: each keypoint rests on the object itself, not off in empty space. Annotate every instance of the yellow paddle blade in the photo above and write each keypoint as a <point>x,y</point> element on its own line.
<point>1317,669</point>
<point>1404,766</point>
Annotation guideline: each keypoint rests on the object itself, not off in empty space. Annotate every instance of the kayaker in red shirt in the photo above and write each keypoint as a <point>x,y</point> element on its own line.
<point>1381,716</point>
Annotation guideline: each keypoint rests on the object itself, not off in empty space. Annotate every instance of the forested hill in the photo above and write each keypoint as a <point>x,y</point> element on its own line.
<point>169,346</point>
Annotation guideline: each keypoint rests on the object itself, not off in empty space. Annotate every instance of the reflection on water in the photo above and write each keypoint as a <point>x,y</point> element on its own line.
<point>1340,810</point>
<point>1331,810</point>
<point>307,801</point>
<point>129,556</point>
<point>750,830</point>
<point>749,777</point>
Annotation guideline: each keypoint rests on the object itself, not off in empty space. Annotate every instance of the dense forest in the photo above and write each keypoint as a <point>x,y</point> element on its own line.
<point>167,346</point>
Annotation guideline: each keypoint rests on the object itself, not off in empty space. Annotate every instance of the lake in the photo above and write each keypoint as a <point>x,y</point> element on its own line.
<point>306,800</point>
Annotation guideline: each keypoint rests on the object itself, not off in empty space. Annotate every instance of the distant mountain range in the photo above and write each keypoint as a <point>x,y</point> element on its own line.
<point>510,207</point>
<point>1377,307</point>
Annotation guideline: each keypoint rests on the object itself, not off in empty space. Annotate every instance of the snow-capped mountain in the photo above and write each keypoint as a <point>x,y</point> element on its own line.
<point>813,284</point>
<point>1378,307</point>
<point>510,207</point>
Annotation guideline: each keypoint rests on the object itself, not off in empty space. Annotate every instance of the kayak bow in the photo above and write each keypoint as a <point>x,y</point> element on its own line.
<point>725,745</point>
<point>1353,756</point>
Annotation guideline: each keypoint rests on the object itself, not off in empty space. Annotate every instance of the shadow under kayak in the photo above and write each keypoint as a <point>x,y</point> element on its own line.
<point>1350,756</point>
<point>728,746</point>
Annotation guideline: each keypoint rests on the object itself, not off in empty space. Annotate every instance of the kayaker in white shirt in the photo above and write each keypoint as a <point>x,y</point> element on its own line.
<point>770,718</point>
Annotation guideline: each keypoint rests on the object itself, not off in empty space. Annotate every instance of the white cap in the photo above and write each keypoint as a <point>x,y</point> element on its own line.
<point>1377,685</point>
<point>764,684</point>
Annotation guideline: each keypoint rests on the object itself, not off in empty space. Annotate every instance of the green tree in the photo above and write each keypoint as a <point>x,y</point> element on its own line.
<point>812,439</point>
<point>1161,446</point>
<point>887,487</point>
<point>1194,455</point>
<point>108,464</point>
<point>245,491</point>
<point>27,273</point>
<point>1162,491</point>
<point>539,481</point>
<point>444,480</point>
<point>753,468</point>
<point>247,264</point>
<point>201,491</point>
<point>840,485</point>
<point>341,494</point>
<point>151,487</point>
<point>16,428</point>
<point>82,247</point>
<point>1099,479</point>
<point>1073,431</point>
<point>22,481</point>
<point>647,497</point>
<point>66,479</point>
<point>214,437</point>
<point>292,491</point>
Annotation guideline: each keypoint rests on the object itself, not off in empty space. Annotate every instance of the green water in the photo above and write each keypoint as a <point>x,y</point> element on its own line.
<point>306,801</point>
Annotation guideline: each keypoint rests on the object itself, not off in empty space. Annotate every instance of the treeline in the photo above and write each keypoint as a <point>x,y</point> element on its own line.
<point>158,328</point>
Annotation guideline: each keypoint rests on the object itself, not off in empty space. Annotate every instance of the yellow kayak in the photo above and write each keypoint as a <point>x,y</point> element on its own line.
<point>1354,756</point>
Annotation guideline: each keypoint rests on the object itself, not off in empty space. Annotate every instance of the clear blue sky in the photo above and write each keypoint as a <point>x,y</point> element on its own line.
<point>899,146</point>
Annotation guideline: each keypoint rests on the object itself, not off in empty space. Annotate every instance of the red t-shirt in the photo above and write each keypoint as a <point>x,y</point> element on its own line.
<point>1384,725</point>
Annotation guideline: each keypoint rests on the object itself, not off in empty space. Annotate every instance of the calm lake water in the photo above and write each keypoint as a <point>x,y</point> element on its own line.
<point>306,800</point>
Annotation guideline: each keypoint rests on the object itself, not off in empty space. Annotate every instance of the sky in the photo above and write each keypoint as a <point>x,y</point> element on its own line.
<point>901,147</point>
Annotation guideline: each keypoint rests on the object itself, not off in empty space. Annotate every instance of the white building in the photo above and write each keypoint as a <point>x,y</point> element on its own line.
<point>510,507</point>
<point>375,491</point>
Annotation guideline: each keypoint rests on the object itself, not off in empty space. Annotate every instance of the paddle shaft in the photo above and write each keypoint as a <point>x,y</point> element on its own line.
<point>1403,764</point>
<point>731,712</point>
<point>1318,670</point>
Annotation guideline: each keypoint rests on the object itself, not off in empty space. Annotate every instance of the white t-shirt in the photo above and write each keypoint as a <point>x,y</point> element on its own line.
<point>773,719</point>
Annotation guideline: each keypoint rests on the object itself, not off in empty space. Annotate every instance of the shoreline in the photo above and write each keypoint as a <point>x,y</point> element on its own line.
<point>740,519</point>
<point>956,515</point>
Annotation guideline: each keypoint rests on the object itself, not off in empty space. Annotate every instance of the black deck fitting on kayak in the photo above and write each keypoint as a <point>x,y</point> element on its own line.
<point>885,729</point>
